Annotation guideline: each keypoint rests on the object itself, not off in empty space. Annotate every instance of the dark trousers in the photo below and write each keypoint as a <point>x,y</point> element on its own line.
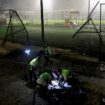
<point>47,60</point>
<point>32,75</point>
<point>43,92</point>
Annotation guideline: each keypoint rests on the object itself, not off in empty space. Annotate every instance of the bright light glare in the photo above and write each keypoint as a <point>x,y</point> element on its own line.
<point>27,51</point>
<point>48,4</point>
<point>101,1</point>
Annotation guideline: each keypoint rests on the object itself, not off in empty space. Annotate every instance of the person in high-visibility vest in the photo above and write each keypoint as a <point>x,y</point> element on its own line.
<point>42,84</point>
<point>47,54</point>
<point>67,75</point>
<point>44,79</point>
<point>33,69</point>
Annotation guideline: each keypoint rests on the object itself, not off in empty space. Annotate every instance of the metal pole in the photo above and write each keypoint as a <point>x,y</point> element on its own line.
<point>7,30</point>
<point>88,19</point>
<point>100,38</point>
<point>42,22</point>
<point>80,28</point>
<point>88,7</point>
<point>100,16</point>
<point>28,42</point>
<point>89,16</point>
<point>11,14</point>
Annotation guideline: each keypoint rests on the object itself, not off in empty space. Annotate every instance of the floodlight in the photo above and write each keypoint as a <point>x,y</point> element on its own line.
<point>101,1</point>
<point>48,5</point>
<point>27,51</point>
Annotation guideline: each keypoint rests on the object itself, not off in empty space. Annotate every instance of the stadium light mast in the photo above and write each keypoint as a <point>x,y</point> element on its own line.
<point>42,23</point>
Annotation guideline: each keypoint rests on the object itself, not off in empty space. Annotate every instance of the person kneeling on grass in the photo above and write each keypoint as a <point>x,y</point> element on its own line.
<point>67,75</point>
<point>42,85</point>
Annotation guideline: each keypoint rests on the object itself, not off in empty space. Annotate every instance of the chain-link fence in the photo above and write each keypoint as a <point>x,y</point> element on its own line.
<point>59,17</point>
<point>54,17</point>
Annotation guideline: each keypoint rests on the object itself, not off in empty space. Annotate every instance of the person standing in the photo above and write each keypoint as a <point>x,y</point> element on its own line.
<point>47,54</point>
<point>33,66</point>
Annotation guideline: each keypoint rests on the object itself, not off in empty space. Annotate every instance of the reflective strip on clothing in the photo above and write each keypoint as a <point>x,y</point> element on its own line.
<point>65,73</point>
<point>33,63</point>
<point>45,76</point>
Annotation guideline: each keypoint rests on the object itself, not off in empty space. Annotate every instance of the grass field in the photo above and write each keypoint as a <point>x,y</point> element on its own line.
<point>54,21</point>
<point>58,36</point>
<point>53,35</point>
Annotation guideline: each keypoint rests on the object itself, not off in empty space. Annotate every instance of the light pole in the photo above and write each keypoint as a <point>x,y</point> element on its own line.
<point>88,7</point>
<point>42,23</point>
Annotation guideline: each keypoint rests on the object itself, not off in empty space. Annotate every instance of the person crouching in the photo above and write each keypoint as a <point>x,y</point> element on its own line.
<point>42,85</point>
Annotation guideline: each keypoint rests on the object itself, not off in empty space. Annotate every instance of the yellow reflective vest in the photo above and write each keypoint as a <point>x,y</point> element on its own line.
<point>33,63</point>
<point>44,79</point>
<point>66,73</point>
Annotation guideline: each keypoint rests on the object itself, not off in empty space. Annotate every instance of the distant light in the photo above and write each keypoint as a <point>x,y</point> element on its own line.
<point>48,5</point>
<point>27,51</point>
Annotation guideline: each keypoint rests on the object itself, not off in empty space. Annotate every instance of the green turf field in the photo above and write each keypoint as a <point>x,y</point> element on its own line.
<point>52,33</point>
<point>58,36</point>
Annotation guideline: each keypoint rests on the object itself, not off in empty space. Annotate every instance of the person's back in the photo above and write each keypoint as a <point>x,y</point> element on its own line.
<point>44,79</point>
<point>68,76</point>
<point>66,73</point>
<point>33,69</point>
<point>34,62</point>
<point>42,85</point>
